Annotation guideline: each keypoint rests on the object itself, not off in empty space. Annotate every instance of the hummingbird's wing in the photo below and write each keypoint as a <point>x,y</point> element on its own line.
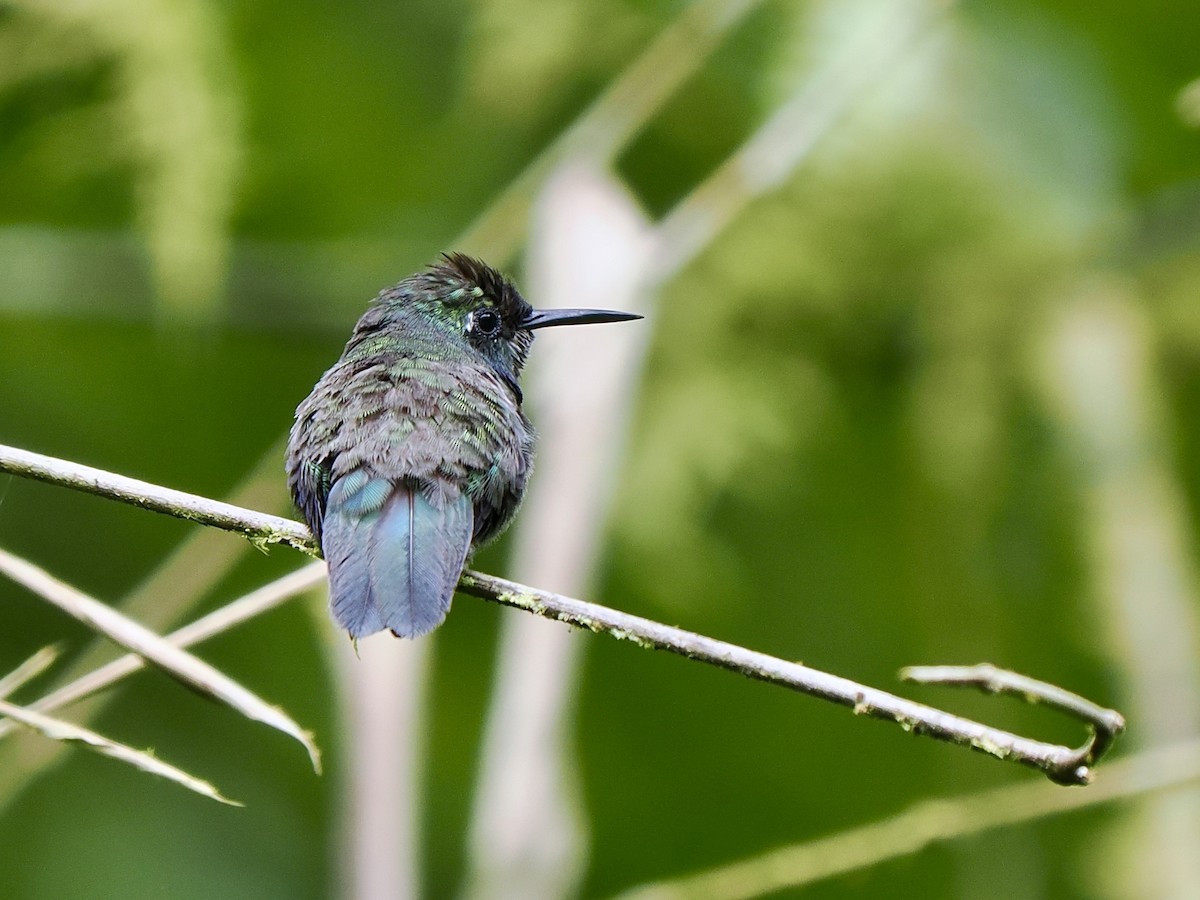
<point>394,554</point>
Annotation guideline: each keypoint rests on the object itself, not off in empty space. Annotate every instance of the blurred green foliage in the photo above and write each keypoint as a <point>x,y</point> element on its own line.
<point>840,453</point>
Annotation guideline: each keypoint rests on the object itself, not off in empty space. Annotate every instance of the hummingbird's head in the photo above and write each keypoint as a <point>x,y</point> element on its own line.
<point>481,305</point>
<point>465,296</point>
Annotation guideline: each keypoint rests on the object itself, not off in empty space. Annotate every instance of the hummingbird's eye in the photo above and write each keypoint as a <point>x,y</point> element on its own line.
<point>486,322</point>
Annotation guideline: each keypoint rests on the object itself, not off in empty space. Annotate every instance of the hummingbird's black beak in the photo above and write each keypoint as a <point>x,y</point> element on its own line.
<point>544,318</point>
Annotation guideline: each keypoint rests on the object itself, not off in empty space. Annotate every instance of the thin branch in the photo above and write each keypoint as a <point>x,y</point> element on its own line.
<point>260,528</point>
<point>923,825</point>
<point>1064,765</point>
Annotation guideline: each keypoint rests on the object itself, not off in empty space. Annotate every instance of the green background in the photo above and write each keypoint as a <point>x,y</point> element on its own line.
<point>844,449</point>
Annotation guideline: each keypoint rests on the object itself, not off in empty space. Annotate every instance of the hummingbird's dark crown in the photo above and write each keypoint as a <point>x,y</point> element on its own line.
<point>469,279</point>
<point>459,282</point>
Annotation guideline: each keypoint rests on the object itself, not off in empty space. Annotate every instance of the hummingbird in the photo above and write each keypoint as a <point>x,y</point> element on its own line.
<point>413,449</point>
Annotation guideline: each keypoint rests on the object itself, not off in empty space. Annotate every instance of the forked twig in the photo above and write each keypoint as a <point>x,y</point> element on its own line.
<point>1105,724</point>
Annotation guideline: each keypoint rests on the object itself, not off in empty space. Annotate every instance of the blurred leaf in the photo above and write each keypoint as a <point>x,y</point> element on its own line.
<point>58,730</point>
<point>27,671</point>
<point>172,93</point>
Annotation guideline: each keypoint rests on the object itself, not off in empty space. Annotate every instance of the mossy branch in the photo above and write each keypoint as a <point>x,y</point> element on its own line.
<point>1062,764</point>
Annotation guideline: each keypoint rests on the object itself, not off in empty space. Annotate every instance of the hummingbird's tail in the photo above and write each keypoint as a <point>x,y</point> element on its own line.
<point>394,554</point>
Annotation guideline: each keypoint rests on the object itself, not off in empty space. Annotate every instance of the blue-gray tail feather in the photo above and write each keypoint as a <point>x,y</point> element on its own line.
<point>394,555</point>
